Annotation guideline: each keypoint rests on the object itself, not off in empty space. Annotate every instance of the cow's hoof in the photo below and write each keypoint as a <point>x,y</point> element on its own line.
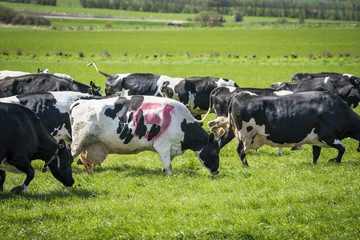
<point>334,160</point>
<point>18,189</point>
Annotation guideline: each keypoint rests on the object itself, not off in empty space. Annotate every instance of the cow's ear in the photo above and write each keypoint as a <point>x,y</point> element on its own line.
<point>92,84</point>
<point>211,137</point>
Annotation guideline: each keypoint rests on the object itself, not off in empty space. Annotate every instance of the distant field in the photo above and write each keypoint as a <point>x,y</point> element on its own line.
<point>129,197</point>
<point>272,42</point>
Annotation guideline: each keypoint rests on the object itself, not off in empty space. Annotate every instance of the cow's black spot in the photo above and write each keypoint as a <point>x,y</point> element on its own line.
<point>154,130</point>
<point>125,133</point>
<point>140,124</point>
<point>122,106</point>
<point>249,128</point>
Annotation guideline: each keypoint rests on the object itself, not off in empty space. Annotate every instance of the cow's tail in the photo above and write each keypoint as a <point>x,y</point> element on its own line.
<point>105,74</point>
<point>210,107</point>
<point>230,109</point>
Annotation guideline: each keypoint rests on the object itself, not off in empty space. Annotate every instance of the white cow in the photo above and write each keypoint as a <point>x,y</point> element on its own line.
<point>129,125</point>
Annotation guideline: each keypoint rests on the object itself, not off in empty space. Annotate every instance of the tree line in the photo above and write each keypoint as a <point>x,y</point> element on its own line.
<point>306,9</point>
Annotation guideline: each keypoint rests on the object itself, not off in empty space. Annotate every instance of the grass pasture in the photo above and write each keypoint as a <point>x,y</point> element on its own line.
<point>129,197</point>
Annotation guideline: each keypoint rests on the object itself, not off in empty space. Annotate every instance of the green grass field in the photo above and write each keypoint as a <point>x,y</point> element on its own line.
<point>129,197</point>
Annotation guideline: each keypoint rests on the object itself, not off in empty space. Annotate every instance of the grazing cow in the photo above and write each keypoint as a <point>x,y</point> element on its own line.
<point>347,87</point>
<point>52,108</point>
<point>129,125</point>
<point>24,139</point>
<point>35,83</point>
<point>193,92</point>
<point>315,118</point>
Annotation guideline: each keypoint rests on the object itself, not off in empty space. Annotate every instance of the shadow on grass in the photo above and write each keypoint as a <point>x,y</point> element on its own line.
<point>128,170</point>
<point>51,195</point>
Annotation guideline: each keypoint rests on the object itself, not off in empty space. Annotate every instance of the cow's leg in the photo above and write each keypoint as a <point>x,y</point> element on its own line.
<point>226,137</point>
<point>336,143</point>
<point>316,153</point>
<point>26,168</point>
<point>163,149</point>
<point>2,180</point>
<point>241,151</point>
<point>358,148</point>
<point>281,153</point>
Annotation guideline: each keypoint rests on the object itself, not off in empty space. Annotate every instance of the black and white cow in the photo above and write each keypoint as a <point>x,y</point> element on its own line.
<point>315,118</point>
<point>35,83</point>
<point>345,86</point>
<point>219,103</point>
<point>23,139</point>
<point>323,75</point>
<point>52,108</point>
<point>193,92</point>
<point>10,73</point>
<point>129,125</point>
<point>133,83</point>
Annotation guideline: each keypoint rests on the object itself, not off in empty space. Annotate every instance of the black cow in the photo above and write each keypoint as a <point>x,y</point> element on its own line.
<point>35,83</point>
<point>193,92</point>
<point>24,139</point>
<point>346,87</point>
<point>315,118</point>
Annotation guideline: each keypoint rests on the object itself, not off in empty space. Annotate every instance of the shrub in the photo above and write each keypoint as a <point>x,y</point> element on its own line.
<point>108,25</point>
<point>209,19</point>
<point>9,16</point>
<point>237,16</point>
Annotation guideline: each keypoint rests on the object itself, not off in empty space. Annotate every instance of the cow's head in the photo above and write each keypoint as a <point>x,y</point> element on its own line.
<point>94,90</point>
<point>209,155</point>
<point>60,165</point>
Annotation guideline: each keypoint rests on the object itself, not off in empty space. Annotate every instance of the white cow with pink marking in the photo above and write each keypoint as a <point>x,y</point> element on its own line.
<point>129,125</point>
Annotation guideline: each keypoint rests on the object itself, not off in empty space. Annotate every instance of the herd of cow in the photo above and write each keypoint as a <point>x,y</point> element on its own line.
<point>55,118</point>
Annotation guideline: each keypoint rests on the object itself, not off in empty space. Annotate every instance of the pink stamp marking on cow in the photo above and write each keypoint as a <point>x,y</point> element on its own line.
<point>153,118</point>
